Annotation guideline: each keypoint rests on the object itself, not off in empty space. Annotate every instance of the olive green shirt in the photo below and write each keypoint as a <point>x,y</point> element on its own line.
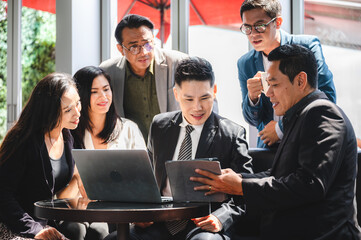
<point>140,98</point>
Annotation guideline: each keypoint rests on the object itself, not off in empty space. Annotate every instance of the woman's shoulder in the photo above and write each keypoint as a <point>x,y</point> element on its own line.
<point>126,123</point>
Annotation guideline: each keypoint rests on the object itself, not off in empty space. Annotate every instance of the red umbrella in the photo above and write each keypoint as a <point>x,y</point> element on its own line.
<point>218,13</point>
<point>42,5</point>
<point>223,14</point>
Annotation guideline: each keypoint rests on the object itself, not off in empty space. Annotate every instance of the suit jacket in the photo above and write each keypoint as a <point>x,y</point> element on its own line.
<point>26,179</point>
<point>165,63</point>
<point>252,62</point>
<point>220,138</point>
<point>309,193</point>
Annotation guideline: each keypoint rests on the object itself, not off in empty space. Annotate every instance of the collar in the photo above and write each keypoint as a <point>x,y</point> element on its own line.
<point>285,37</point>
<point>184,123</point>
<point>150,69</point>
<point>300,105</point>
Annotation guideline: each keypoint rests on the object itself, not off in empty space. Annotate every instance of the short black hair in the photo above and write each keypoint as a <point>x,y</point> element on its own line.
<point>131,21</point>
<point>272,8</point>
<point>194,69</point>
<point>295,59</point>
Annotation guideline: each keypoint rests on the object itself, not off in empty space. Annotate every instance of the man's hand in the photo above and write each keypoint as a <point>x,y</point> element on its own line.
<point>269,134</point>
<point>143,224</point>
<point>50,234</point>
<point>208,223</point>
<point>254,86</point>
<point>228,182</point>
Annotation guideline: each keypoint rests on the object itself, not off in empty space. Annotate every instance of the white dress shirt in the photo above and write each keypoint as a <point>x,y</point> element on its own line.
<point>195,136</point>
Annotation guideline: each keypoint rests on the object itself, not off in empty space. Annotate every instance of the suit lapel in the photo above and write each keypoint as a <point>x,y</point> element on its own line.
<point>299,108</point>
<point>258,61</point>
<point>160,73</point>
<point>170,139</point>
<point>119,85</point>
<point>282,144</point>
<point>208,132</point>
<point>171,135</point>
<point>47,168</point>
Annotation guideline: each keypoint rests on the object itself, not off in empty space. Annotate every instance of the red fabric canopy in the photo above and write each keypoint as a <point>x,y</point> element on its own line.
<point>42,5</point>
<point>202,12</point>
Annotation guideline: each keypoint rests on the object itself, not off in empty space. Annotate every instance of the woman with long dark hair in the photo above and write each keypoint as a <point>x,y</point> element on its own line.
<point>99,126</point>
<point>35,157</point>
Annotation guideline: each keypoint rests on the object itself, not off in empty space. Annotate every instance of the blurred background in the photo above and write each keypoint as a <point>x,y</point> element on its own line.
<point>208,28</point>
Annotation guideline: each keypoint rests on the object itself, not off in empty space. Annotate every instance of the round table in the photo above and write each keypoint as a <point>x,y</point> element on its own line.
<point>81,210</point>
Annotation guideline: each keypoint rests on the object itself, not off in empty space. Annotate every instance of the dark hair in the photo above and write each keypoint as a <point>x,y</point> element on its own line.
<point>131,21</point>
<point>295,59</point>
<point>41,114</point>
<point>272,8</point>
<point>194,68</point>
<point>84,80</point>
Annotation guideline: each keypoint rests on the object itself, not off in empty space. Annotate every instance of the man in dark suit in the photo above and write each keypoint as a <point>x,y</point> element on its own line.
<point>212,136</point>
<point>309,192</point>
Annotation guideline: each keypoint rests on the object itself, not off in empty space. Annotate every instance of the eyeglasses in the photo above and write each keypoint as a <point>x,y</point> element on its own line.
<point>135,49</point>
<point>260,28</point>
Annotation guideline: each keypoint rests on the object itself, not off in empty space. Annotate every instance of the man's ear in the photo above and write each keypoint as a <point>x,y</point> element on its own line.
<point>120,49</point>
<point>175,93</point>
<point>301,80</point>
<point>279,22</point>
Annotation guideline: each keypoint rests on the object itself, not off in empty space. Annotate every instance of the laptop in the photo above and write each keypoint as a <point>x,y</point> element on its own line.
<point>118,175</point>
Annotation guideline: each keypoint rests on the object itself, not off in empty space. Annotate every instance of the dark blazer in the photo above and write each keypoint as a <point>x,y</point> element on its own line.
<point>220,138</point>
<point>25,179</point>
<point>309,191</point>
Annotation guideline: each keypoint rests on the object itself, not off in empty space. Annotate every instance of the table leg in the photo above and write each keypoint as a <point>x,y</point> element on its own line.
<point>122,231</point>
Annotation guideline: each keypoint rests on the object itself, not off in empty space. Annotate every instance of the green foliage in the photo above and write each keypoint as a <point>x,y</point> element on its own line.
<point>38,48</point>
<point>38,53</point>
<point>3,73</point>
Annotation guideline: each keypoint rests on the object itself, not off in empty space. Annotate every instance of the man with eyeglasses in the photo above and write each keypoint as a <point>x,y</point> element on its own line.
<point>143,77</point>
<point>261,23</point>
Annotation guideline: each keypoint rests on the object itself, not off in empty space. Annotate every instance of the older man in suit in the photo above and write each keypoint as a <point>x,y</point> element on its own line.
<point>143,78</point>
<point>309,192</point>
<point>208,135</point>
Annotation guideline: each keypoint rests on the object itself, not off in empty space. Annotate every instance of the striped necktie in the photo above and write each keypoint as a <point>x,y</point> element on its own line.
<point>185,152</point>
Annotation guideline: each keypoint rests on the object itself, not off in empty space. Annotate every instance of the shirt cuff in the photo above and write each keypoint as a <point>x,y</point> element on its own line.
<point>279,131</point>
<point>253,104</point>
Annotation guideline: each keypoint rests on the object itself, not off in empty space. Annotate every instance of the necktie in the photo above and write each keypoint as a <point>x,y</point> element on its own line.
<point>185,153</point>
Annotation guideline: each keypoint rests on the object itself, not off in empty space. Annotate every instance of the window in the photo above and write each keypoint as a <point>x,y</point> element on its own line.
<point>337,24</point>
<point>38,31</point>
<point>214,35</point>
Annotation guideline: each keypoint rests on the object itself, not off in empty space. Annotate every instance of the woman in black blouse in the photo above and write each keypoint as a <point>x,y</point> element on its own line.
<point>35,156</point>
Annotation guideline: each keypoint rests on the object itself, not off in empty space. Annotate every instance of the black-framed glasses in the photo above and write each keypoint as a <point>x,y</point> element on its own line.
<point>259,27</point>
<point>135,49</point>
